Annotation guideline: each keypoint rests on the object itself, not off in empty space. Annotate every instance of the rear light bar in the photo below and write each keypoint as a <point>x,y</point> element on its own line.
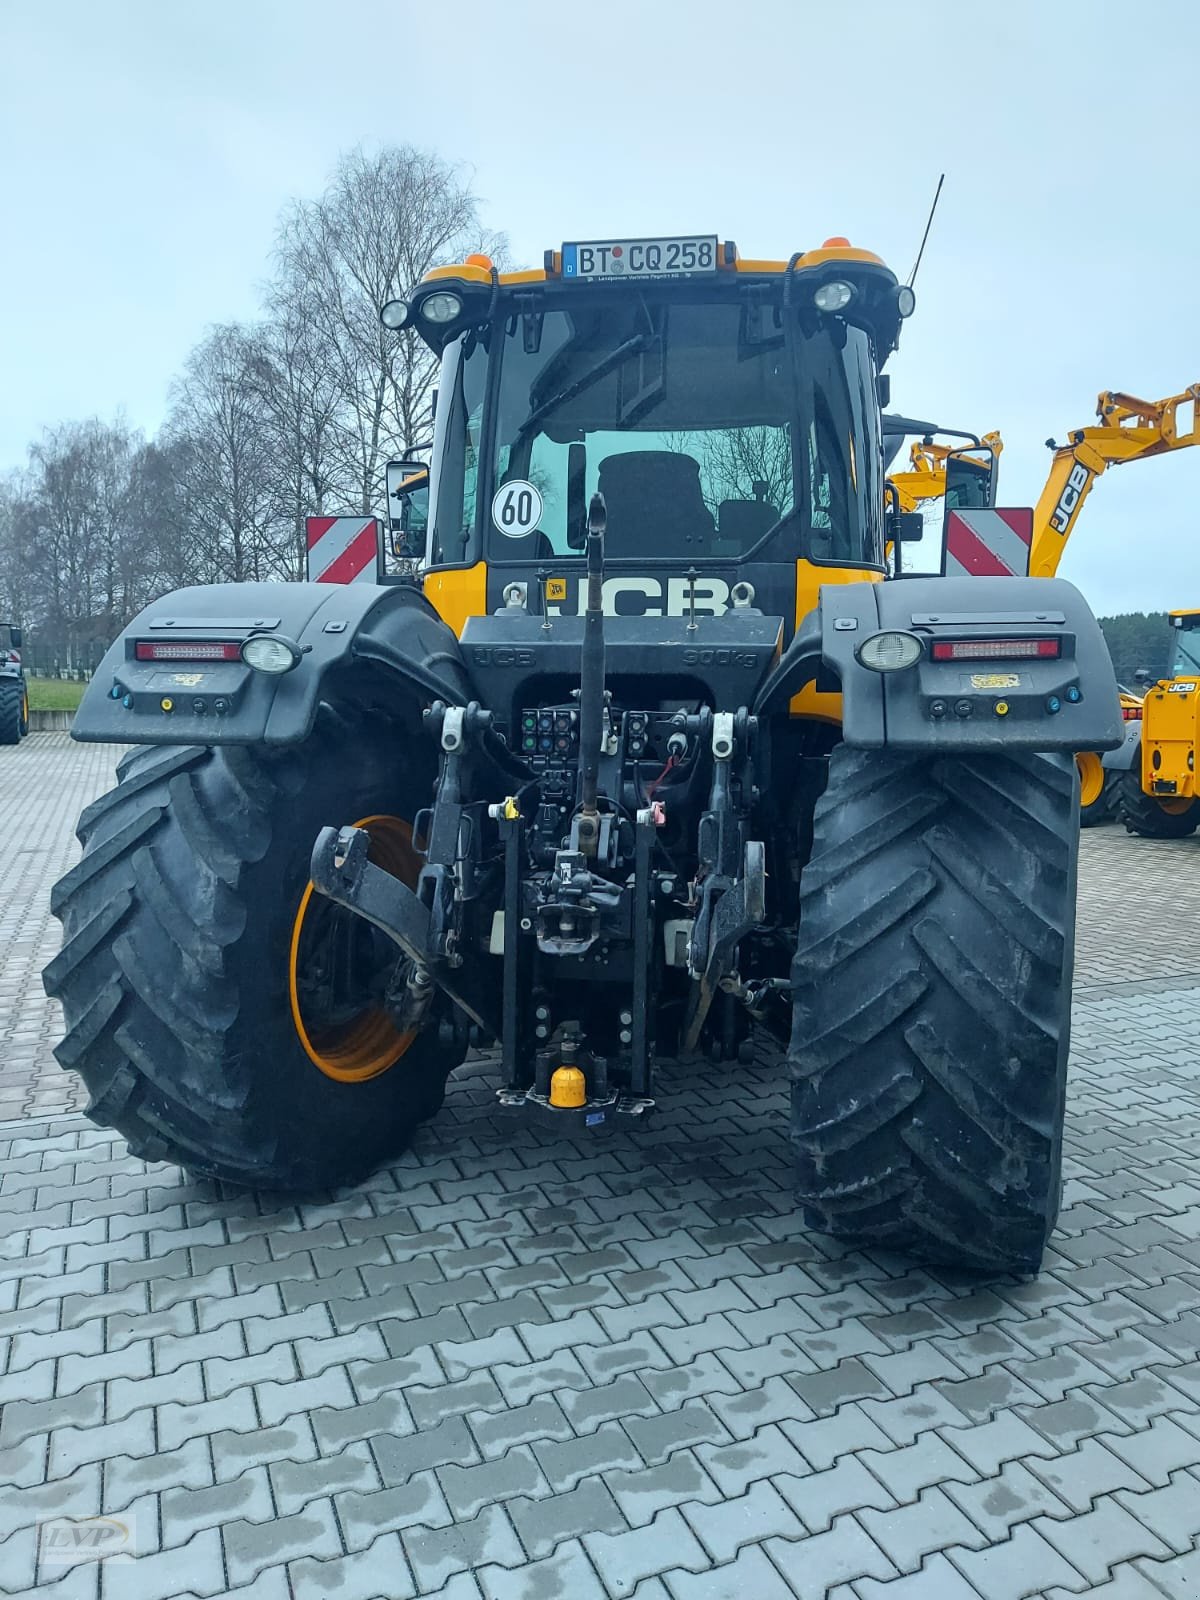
<point>994,649</point>
<point>1131,713</point>
<point>186,650</point>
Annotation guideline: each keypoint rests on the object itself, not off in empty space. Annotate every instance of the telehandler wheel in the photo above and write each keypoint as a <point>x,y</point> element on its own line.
<point>1097,790</point>
<point>12,711</point>
<point>932,1004</point>
<point>222,1016</point>
<point>1154,818</point>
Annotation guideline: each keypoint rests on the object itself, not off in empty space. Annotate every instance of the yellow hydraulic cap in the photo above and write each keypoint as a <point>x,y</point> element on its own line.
<point>511,810</point>
<point>568,1087</point>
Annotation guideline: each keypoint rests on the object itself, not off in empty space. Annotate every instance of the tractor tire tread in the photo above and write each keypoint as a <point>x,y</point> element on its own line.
<point>931,992</point>
<point>12,710</point>
<point>152,918</point>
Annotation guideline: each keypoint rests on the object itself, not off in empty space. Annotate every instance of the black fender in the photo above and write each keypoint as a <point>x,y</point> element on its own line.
<point>384,637</point>
<point>1066,702</point>
<point>1128,756</point>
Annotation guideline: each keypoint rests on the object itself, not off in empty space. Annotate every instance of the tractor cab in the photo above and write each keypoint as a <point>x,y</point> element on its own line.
<point>727,411</point>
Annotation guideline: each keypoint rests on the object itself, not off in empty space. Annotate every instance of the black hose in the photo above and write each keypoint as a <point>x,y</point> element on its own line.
<point>376,650</point>
<point>382,653</point>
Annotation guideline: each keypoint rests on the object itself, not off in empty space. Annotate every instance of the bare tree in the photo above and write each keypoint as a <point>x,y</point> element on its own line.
<point>267,424</point>
<point>382,223</point>
<point>18,529</point>
<point>219,425</point>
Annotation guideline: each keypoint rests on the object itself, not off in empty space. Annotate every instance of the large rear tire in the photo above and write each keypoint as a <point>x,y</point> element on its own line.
<point>1152,818</point>
<point>178,972</point>
<point>932,996</point>
<point>12,710</point>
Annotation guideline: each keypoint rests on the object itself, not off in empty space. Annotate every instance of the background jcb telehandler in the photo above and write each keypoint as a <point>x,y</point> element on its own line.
<point>1126,430</point>
<point>648,755</point>
<point>1159,794</point>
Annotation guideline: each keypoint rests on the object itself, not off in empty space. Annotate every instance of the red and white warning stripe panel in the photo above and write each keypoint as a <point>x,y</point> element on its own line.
<point>989,542</point>
<point>342,549</point>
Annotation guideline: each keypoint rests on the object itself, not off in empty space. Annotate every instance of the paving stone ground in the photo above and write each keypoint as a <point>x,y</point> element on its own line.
<point>521,1366</point>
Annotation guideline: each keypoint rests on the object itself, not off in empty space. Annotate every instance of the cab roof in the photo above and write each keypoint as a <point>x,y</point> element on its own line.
<point>876,304</point>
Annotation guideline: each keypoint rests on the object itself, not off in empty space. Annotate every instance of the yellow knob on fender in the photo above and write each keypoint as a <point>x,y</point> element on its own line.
<point>1001,708</point>
<point>568,1087</point>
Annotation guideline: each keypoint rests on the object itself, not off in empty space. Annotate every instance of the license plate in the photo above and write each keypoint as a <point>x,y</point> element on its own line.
<point>695,256</point>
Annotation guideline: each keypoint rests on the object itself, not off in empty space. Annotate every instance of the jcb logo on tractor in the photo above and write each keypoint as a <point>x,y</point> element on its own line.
<point>1068,500</point>
<point>655,597</point>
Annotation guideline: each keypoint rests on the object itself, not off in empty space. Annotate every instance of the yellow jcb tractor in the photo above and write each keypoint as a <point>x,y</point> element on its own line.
<point>647,755</point>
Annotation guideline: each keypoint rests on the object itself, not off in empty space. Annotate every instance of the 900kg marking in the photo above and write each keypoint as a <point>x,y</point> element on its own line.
<point>508,656</point>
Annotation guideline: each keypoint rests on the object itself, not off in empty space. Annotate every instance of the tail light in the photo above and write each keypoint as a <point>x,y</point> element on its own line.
<point>1131,713</point>
<point>995,649</point>
<point>186,650</point>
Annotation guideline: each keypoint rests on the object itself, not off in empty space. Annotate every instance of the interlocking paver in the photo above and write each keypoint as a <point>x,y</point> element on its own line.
<point>469,1489</point>
<point>513,1361</point>
<point>361,1575</point>
<point>1024,1565</point>
<point>1099,1539</point>
<point>450,1443</point>
<point>587,1508</point>
<point>417,1503</point>
<point>623,1559</point>
<point>567,1572</point>
<point>295,1483</point>
<point>436,1554</point>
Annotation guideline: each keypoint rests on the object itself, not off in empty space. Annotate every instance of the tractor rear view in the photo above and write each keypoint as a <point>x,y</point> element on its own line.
<point>14,691</point>
<point>647,757</point>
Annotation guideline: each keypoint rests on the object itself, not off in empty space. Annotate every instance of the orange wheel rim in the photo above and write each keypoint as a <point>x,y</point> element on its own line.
<point>354,1048</point>
<point>1091,777</point>
<point>1174,804</point>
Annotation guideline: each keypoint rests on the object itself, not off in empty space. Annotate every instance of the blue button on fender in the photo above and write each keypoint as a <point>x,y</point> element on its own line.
<point>1053,704</point>
<point>115,692</point>
<point>1074,694</point>
<point>127,702</point>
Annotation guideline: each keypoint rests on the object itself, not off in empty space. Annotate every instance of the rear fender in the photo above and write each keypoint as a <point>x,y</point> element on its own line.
<point>979,705</point>
<point>1128,757</point>
<point>339,628</point>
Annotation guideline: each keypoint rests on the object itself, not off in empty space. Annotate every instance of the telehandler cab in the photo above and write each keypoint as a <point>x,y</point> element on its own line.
<point>646,756</point>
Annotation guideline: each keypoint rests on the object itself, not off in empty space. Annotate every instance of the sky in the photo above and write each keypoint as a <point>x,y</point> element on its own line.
<point>147,149</point>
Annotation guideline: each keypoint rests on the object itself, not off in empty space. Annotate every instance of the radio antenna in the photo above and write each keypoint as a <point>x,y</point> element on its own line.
<point>937,193</point>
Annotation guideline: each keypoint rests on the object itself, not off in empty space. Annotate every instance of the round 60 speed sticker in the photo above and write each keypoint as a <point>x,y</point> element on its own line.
<point>516,508</point>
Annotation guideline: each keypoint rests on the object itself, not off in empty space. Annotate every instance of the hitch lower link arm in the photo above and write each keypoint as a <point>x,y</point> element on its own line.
<point>341,871</point>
